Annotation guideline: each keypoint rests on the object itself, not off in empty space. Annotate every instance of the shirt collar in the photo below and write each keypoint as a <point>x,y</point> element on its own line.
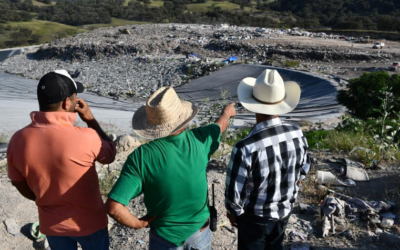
<point>266,124</point>
<point>53,118</point>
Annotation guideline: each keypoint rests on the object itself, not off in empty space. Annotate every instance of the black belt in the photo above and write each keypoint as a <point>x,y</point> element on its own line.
<point>205,225</point>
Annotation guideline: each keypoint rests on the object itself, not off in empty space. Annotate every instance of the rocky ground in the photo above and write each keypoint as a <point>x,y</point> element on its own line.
<point>305,226</point>
<point>135,60</point>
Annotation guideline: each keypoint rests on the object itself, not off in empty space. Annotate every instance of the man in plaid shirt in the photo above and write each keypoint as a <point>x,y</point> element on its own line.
<point>267,166</point>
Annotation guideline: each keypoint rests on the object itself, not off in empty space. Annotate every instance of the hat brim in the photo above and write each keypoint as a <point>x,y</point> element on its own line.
<point>80,87</point>
<point>149,131</point>
<point>245,95</point>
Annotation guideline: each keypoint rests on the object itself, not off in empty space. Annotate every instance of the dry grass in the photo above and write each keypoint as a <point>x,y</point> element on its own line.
<point>312,194</point>
<point>3,138</point>
<point>3,167</point>
<point>107,182</point>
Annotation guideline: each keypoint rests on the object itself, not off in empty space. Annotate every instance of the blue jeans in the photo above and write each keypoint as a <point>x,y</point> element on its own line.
<point>198,241</point>
<point>95,241</point>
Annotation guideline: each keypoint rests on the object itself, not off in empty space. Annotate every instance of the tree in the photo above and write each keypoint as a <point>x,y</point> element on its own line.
<point>35,38</point>
<point>20,37</point>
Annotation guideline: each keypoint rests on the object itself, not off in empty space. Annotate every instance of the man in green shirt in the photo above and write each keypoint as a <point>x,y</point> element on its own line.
<point>171,173</point>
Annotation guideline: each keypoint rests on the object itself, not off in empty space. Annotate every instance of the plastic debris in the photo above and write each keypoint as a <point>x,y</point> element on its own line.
<point>324,177</point>
<point>12,226</point>
<point>356,174</point>
<point>387,223</point>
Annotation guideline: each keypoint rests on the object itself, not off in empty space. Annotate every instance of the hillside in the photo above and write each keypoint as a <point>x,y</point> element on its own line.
<point>348,14</point>
<point>26,22</point>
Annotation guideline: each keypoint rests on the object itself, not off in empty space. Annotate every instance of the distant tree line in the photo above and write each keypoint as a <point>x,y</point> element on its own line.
<point>338,14</point>
<point>16,10</point>
<point>341,14</point>
<point>79,12</point>
<point>101,11</point>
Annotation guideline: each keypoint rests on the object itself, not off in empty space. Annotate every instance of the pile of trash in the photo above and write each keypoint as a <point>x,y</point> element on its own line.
<point>338,211</point>
<point>351,172</point>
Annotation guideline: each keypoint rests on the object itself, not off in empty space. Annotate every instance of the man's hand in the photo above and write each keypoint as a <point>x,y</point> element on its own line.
<point>122,215</point>
<point>223,120</point>
<point>232,219</point>
<point>299,182</point>
<point>82,108</point>
<point>230,110</point>
<point>145,221</point>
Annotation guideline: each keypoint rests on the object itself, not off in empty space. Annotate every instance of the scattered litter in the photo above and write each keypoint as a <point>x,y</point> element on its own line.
<point>367,150</point>
<point>12,226</point>
<point>140,242</point>
<point>387,223</point>
<point>324,177</point>
<point>332,216</point>
<point>355,164</point>
<point>335,213</point>
<point>297,236</point>
<point>356,174</point>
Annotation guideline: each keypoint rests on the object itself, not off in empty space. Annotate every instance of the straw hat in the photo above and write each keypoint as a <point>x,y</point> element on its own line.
<point>163,114</point>
<point>268,94</point>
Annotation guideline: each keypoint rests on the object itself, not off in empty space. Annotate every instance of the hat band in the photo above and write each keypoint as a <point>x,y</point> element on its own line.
<point>269,103</point>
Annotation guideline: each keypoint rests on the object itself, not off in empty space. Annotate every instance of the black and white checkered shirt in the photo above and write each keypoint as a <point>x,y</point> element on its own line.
<point>264,170</point>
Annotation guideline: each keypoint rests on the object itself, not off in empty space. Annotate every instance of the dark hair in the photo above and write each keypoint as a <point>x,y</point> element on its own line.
<point>49,107</point>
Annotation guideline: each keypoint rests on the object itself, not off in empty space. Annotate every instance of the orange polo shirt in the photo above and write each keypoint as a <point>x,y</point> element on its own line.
<point>57,161</point>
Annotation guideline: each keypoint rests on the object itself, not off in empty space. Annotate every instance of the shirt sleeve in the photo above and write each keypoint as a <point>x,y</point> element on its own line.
<point>211,136</point>
<point>235,191</point>
<point>129,183</point>
<point>305,168</point>
<point>13,173</point>
<point>104,151</point>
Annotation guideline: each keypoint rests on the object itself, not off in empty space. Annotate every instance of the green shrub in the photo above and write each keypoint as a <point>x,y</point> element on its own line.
<point>238,135</point>
<point>316,139</point>
<point>292,64</point>
<point>365,94</point>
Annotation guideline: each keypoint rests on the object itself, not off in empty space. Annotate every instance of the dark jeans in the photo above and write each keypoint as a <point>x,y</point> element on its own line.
<point>260,234</point>
<point>96,241</point>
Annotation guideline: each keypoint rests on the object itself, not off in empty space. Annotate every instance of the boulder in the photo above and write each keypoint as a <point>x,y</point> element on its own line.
<point>126,142</point>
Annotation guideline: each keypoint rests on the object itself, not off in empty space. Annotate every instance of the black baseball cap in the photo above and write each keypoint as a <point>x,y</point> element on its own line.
<point>56,86</point>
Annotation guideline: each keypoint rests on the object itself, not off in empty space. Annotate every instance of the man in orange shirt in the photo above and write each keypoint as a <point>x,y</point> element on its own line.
<point>52,163</point>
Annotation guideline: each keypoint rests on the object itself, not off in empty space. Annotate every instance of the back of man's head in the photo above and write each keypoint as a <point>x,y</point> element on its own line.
<point>54,88</point>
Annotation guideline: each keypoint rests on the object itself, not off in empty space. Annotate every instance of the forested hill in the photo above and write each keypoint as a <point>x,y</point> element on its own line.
<point>343,14</point>
<point>381,15</point>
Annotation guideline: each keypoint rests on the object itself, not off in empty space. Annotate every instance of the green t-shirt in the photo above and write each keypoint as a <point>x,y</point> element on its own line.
<point>171,172</point>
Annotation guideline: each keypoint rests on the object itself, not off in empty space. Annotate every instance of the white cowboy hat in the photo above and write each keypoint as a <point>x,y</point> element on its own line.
<point>163,114</point>
<point>268,94</point>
